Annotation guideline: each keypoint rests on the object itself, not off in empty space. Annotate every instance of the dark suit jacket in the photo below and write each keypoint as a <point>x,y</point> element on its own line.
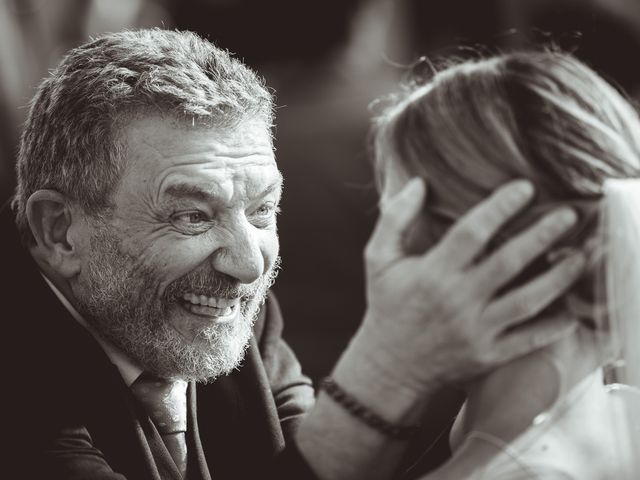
<point>68,413</point>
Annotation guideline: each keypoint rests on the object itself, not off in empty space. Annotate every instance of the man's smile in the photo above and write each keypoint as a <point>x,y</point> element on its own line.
<point>219,309</point>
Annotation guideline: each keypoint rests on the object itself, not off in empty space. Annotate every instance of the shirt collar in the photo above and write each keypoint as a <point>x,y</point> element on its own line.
<point>127,367</point>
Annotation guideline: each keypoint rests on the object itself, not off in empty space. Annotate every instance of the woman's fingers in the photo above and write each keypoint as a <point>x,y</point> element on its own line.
<point>466,239</point>
<point>397,216</point>
<point>512,257</point>
<point>530,299</point>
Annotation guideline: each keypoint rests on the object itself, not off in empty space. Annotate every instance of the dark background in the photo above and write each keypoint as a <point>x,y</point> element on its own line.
<point>327,60</point>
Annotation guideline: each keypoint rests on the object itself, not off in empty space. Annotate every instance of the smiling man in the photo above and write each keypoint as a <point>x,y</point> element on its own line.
<point>145,344</point>
<point>177,275</point>
<point>147,196</point>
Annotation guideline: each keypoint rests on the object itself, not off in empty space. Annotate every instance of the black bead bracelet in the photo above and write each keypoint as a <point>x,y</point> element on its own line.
<point>362,413</point>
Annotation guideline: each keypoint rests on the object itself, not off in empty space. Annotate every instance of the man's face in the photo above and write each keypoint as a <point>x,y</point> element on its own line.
<point>176,275</point>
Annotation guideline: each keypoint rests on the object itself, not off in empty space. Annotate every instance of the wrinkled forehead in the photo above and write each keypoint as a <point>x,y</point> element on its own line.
<point>168,137</point>
<point>160,151</point>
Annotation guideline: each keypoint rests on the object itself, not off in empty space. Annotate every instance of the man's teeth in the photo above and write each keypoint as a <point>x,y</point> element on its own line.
<point>221,307</point>
<point>210,311</point>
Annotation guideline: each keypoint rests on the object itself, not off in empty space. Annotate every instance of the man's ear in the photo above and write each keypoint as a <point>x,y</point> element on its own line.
<point>50,218</point>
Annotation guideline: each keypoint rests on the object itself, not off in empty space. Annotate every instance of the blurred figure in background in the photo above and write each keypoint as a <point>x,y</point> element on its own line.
<point>34,34</point>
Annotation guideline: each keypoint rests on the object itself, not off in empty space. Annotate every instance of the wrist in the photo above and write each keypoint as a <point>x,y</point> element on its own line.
<point>378,380</point>
<point>368,417</point>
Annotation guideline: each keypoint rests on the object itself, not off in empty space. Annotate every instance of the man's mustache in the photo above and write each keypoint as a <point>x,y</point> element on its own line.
<point>218,285</point>
<point>210,284</point>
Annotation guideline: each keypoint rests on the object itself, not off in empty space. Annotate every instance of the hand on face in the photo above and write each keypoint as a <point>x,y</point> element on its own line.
<point>434,318</point>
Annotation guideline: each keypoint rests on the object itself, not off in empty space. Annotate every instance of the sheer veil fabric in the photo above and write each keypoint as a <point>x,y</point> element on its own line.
<point>621,230</point>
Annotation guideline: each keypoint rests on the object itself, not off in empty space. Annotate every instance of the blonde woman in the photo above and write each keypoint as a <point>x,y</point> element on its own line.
<point>548,118</point>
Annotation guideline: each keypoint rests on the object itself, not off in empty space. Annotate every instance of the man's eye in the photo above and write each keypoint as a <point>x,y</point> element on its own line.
<point>266,210</point>
<point>264,215</point>
<point>195,217</point>
<point>191,222</point>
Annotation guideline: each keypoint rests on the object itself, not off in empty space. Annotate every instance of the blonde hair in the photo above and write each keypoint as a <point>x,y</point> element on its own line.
<point>543,116</point>
<point>540,115</point>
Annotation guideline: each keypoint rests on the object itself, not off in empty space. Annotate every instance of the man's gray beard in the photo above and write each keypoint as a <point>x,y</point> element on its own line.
<point>122,304</point>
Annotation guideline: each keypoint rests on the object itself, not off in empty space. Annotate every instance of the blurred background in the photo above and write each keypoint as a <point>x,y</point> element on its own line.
<point>327,60</point>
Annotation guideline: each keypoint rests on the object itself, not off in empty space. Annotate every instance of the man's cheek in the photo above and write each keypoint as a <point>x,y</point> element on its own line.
<point>180,259</point>
<point>271,250</point>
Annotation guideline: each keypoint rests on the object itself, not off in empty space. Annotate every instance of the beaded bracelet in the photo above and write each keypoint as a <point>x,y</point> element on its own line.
<point>362,413</point>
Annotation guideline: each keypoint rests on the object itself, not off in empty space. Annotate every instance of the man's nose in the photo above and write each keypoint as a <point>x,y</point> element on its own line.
<point>240,256</point>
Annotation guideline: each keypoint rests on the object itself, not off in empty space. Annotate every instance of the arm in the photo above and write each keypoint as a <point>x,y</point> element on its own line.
<point>432,319</point>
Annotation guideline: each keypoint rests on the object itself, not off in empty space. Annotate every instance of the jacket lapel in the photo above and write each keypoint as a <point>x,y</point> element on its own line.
<point>236,420</point>
<point>67,383</point>
<point>118,427</point>
<point>198,467</point>
<point>123,432</point>
<point>157,458</point>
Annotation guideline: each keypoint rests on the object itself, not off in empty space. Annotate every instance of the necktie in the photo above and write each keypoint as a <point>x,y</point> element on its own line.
<point>166,404</point>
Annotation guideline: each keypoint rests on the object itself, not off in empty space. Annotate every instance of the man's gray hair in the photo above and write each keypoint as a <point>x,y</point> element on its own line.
<point>70,141</point>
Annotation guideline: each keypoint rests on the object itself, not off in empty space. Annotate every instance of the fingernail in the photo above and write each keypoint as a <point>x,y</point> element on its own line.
<point>521,190</point>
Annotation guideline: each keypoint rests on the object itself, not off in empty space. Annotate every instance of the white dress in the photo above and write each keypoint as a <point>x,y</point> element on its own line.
<point>584,436</point>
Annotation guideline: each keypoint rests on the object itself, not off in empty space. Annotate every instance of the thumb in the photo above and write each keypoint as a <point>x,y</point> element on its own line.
<point>396,216</point>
